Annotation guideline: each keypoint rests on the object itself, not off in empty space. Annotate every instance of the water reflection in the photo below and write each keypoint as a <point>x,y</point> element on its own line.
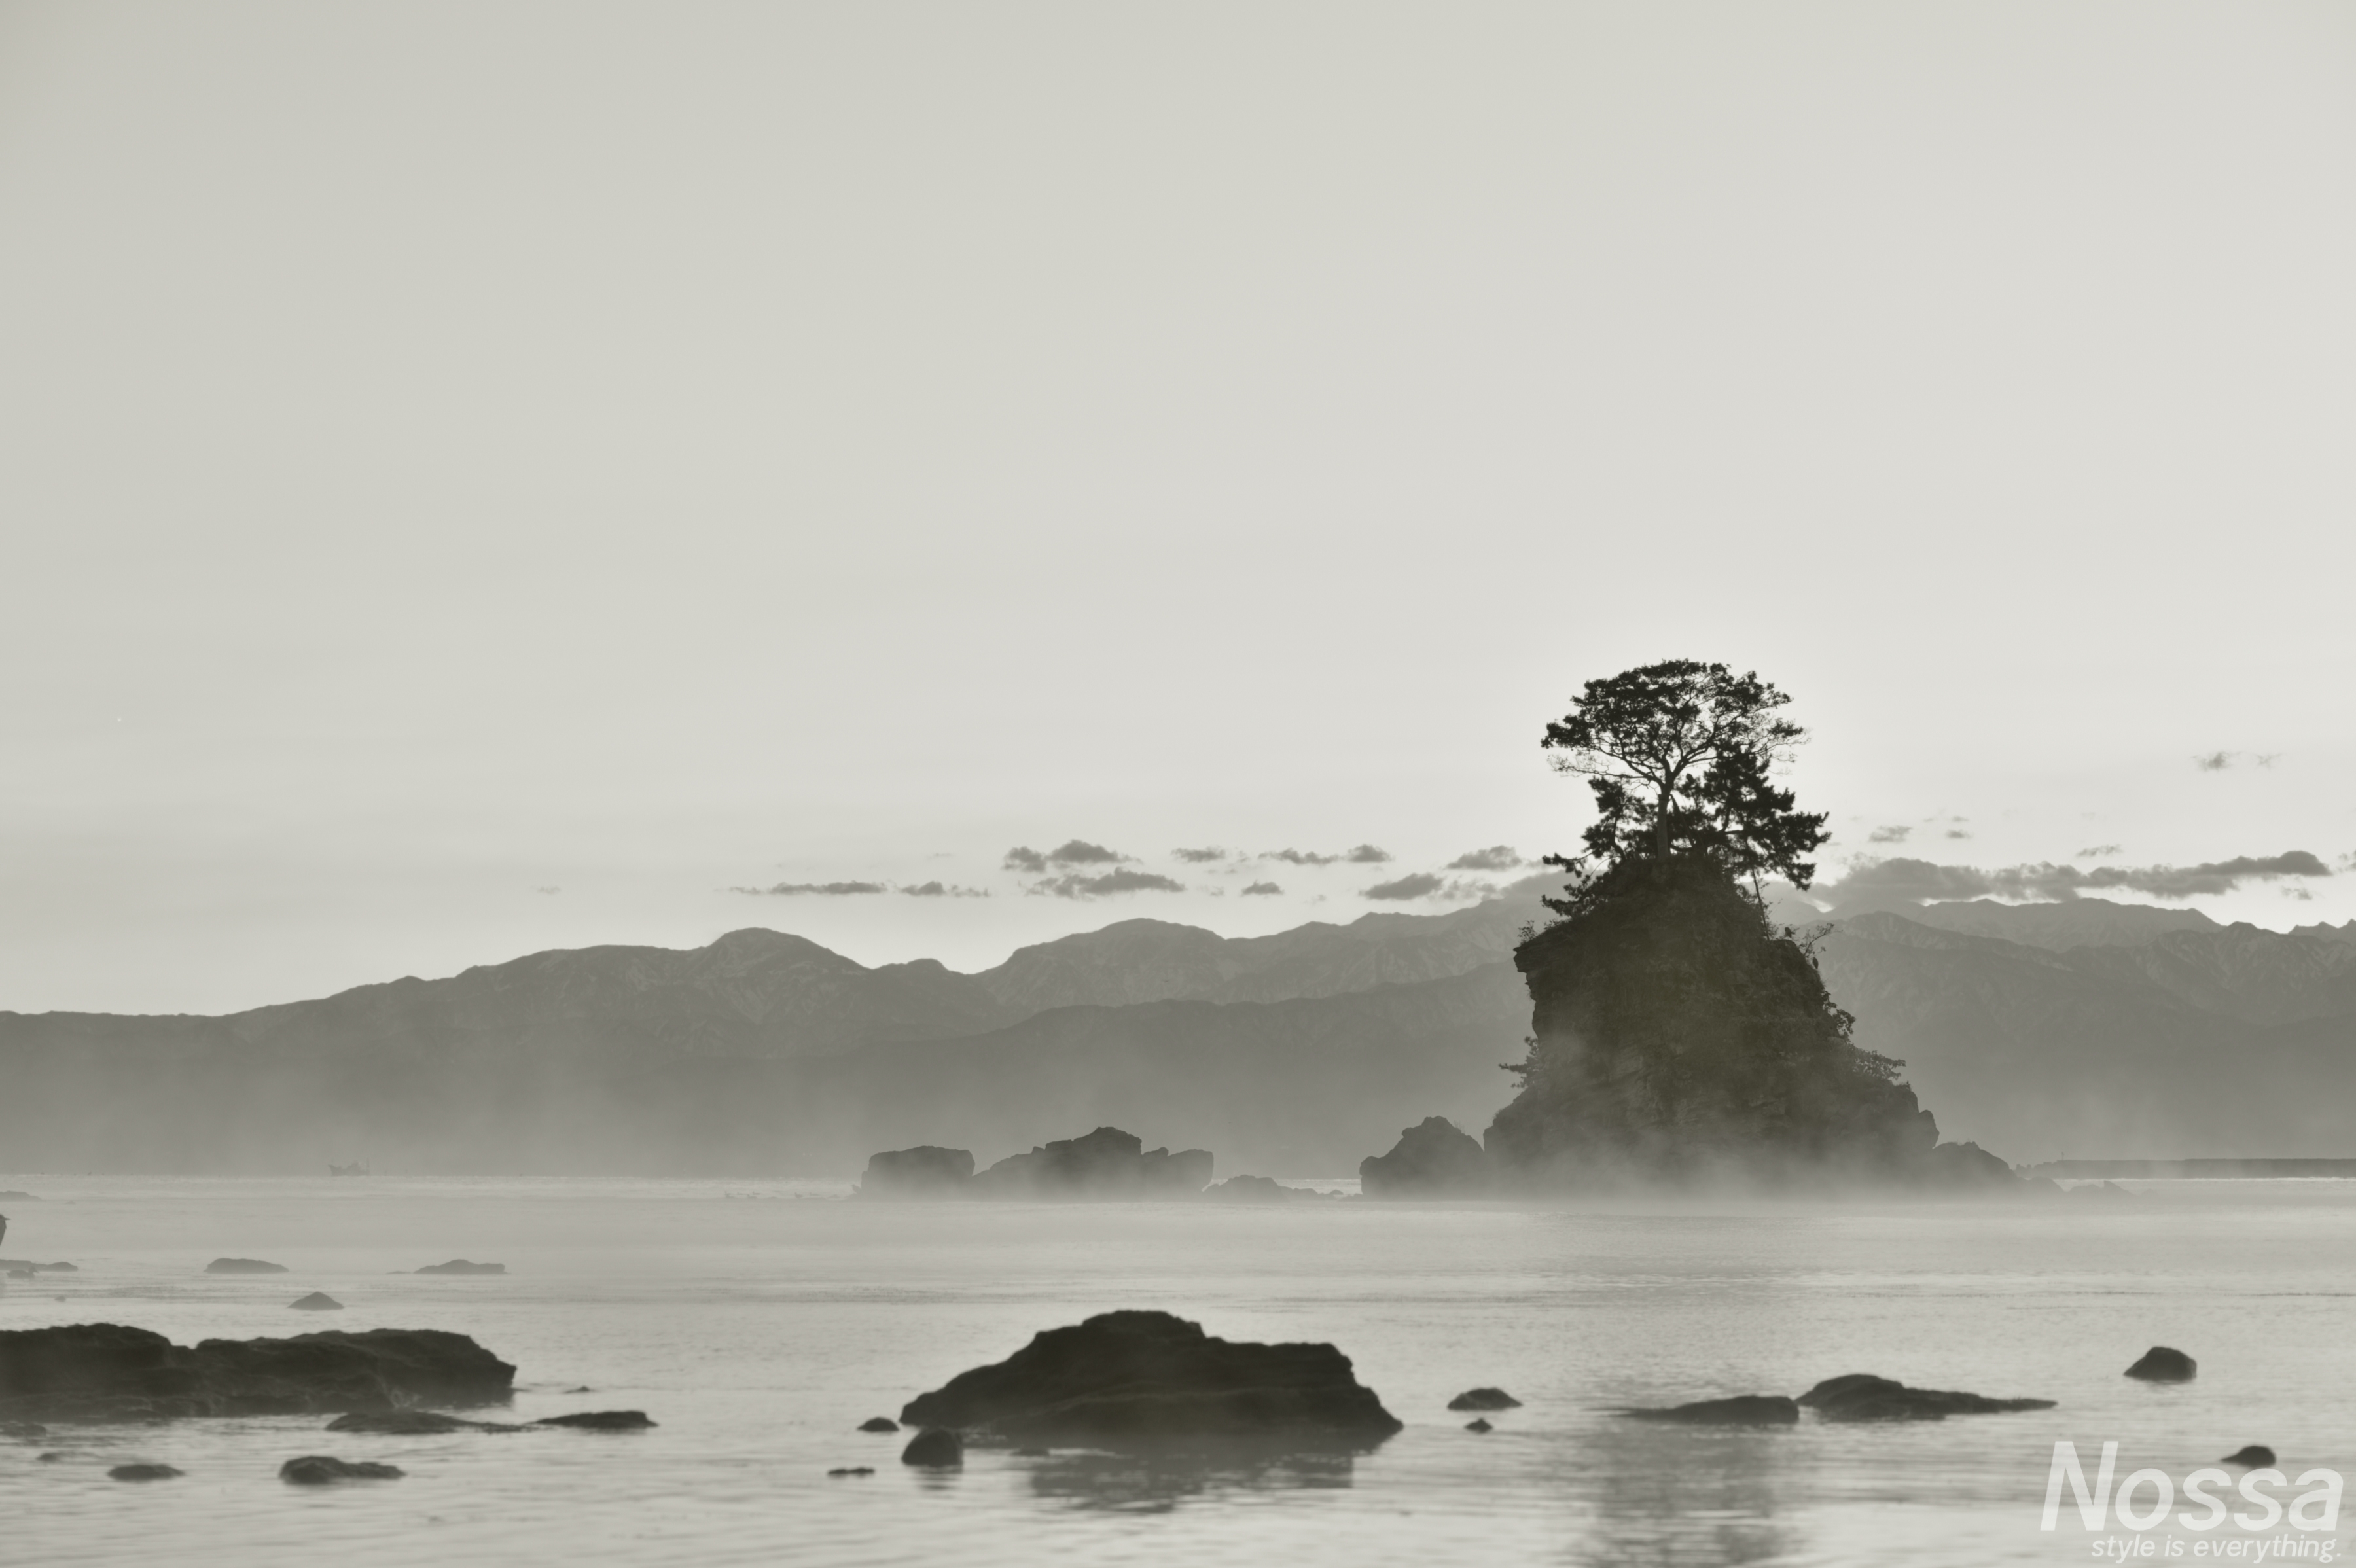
<point>1668,1496</point>
<point>1158,1483</point>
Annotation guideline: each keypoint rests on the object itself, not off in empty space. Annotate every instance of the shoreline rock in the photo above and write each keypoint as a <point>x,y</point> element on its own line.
<point>1434,1158</point>
<point>925,1171</point>
<point>1151,1380</point>
<point>1862,1396</point>
<point>2163,1364</point>
<point>110,1371</point>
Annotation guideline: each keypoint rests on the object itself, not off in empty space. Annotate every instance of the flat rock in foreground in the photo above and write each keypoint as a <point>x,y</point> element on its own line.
<point>1149,1378</point>
<point>108,1371</point>
<point>1861,1396</point>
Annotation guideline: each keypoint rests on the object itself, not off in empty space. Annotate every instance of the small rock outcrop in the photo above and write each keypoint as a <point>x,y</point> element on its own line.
<point>1742,1410</point>
<point>851,1470</point>
<point>1434,1158</point>
<point>1106,1164</point>
<point>878,1424</point>
<point>1484,1399</point>
<point>926,1171</point>
<point>2258,1455</point>
<point>935,1448</point>
<point>317,1300</point>
<point>244,1266</point>
<point>143,1473</point>
<point>600,1420</point>
<point>2162,1365</point>
<point>460,1266</point>
<point>1149,1378</point>
<point>1479,1423</point>
<point>323,1469</point>
<point>108,1371</point>
<point>1862,1396</point>
<point>1249,1190</point>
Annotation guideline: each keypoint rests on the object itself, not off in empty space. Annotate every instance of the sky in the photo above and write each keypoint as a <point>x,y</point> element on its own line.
<point>481,477</point>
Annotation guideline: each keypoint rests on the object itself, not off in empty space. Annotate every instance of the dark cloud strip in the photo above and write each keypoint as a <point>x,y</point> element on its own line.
<point>1074,885</point>
<point>821,889</point>
<point>1903,882</point>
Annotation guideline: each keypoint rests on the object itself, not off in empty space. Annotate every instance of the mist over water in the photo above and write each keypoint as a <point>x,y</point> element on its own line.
<point>759,1323</point>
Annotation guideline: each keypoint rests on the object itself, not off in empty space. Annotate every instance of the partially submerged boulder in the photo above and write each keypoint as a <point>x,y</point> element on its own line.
<point>461,1266</point>
<point>1151,1379</point>
<point>317,1300</point>
<point>600,1420</point>
<point>1742,1410</point>
<point>323,1469</point>
<point>926,1171</point>
<point>1434,1158</point>
<point>1484,1399</point>
<point>144,1473</point>
<point>935,1448</point>
<point>1106,1164</point>
<point>2160,1364</point>
<point>878,1424</point>
<point>2258,1455</point>
<point>244,1266</point>
<point>1862,1396</point>
<point>413,1423</point>
<point>108,1371</point>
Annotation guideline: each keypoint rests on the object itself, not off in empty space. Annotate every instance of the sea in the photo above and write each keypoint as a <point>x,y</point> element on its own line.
<point>759,1322</point>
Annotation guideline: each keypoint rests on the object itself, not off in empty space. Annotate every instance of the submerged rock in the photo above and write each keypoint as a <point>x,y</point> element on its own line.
<point>1150,1378</point>
<point>1434,1158</point>
<point>1479,1423</point>
<point>413,1423</point>
<point>2256,1456</point>
<point>460,1266</point>
<point>935,1448</point>
<point>144,1473</point>
<point>108,1371</point>
<point>878,1424</point>
<point>852,1470</point>
<point>23,1431</point>
<point>1862,1396</point>
<point>1484,1399</point>
<point>244,1266</point>
<point>1742,1410</point>
<point>926,1171</point>
<point>1106,1164</point>
<point>321,1469</point>
<point>317,1300</point>
<point>26,1265</point>
<point>600,1420</point>
<point>2162,1365</point>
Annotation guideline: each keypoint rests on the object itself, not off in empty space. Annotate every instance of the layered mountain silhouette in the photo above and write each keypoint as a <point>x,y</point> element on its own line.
<point>2088,1029</point>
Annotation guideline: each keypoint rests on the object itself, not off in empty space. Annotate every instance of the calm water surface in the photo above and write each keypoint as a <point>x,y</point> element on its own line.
<point>759,1323</point>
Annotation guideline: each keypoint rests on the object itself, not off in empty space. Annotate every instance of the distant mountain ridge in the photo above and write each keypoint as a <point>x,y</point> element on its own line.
<point>2084,1029</point>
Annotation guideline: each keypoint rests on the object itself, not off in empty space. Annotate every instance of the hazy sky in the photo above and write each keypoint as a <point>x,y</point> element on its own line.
<point>451,452</point>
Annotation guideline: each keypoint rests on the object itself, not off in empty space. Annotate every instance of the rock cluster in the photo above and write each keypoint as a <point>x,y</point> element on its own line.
<point>107,1371</point>
<point>1107,1163</point>
<point>1853,1397</point>
<point>1151,1379</point>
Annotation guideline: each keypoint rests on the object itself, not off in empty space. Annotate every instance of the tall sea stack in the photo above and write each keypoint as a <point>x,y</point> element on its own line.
<point>1678,1033</point>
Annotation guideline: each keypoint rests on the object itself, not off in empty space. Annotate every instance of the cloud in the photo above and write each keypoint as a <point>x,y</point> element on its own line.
<point>2301,894</point>
<point>1074,885</point>
<point>936,890</point>
<point>1262,890</point>
<point>1894,834</point>
<point>1021,858</point>
<point>1904,883</point>
<point>1959,832</point>
<point>1080,852</point>
<point>548,889</point>
<point>1496,857</point>
<point>1199,856</point>
<point>1367,854</point>
<point>2214,761</point>
<point>1299,858</point>
<point>2097,851</point>
<point>823,889</point>
<point>1414,884</point>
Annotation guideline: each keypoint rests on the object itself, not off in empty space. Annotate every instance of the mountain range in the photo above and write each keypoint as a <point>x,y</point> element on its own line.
<point>2085,1029</point>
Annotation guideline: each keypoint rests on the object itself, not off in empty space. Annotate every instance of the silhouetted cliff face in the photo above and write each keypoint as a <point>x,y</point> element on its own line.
<point>1676,1031</point>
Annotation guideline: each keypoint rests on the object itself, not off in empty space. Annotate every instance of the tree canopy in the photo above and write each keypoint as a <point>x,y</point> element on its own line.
<point>1679,757</point>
